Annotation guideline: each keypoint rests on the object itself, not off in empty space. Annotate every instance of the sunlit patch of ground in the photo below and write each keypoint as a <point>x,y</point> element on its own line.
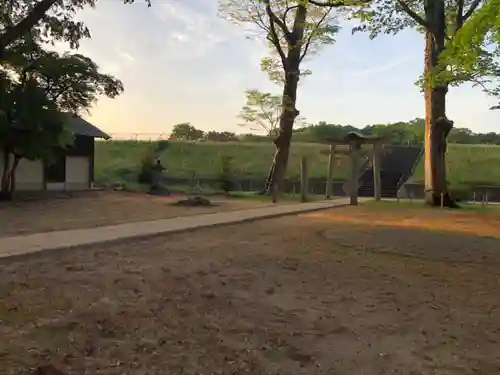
<point>478,222</point>
<point>301,295</point>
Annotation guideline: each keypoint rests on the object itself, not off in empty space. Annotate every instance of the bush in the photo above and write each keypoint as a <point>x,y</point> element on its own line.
<point>161,146</point>
<point>226,181</point>
<point>460,193</point>
<point>145,175</point>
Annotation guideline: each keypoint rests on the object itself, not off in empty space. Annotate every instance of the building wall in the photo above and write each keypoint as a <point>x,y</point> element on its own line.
<point>29,175</point>
<point>79,163</point>
<point>77,172</point>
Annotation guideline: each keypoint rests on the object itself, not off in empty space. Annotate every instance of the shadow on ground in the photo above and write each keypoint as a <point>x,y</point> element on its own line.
<point>294,295</point>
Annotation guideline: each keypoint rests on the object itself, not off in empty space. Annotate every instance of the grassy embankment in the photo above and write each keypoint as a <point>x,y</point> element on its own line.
<point>115,160</point>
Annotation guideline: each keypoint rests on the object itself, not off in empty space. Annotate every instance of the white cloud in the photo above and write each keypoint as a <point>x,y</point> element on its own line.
<point>377,69</point>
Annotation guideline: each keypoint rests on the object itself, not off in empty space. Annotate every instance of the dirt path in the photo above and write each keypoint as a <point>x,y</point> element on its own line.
<point>93,209</point>
<point>295,295</point>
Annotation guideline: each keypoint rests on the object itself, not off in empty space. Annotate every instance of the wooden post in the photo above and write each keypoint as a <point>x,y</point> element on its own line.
<point>329,187</point>
<point>354,183</point>
<point>377,184</point>
<point>304,180</point>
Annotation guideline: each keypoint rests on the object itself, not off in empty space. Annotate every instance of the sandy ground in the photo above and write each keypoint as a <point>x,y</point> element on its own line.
<point>93,209</point>
<point>342,291</point>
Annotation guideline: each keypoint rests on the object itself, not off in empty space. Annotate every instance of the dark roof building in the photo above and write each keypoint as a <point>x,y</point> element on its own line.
<point>82,127</point>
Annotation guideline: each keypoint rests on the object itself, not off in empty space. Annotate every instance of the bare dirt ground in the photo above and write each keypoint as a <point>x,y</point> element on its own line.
<point>92,209</point>
<point>344,291</point>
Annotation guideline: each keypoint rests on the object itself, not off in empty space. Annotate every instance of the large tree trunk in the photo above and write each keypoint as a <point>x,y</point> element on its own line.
<point>437,126</point>
<point>289,99</point>
<point>286,128</point>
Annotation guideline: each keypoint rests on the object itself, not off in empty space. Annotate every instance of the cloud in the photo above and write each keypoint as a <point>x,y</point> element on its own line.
<point>377,69</point>
<point>127,56</point>
<point>192,32</point>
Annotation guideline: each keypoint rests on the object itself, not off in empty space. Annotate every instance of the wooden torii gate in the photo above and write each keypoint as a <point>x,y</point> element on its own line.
<point>355,141</point>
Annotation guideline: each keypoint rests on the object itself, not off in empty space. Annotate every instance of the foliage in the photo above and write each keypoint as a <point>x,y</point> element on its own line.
<point>145,175</point>
<point>186,132</point>
<point>226,175</point>
<point>161,146</point>
<point>462,19</point>
<point>319,29</point>
<point>45,21</point>
<point>474,53</point>
<point>220,136</point>
<point>38,91</point>
<point>262,110</point>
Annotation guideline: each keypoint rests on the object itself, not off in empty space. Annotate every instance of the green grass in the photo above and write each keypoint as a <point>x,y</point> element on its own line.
<point>467,164</point>
<point>181,159</point>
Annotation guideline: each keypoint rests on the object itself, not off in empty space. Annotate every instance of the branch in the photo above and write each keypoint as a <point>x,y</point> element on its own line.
<point>274,35</point>
<point>339,3</point>
<point>309,38</point>
<point>414,15</point>
<point>274,19</point>
<point>15,32</point>
<point>288,9</point>
<point>471,10</point>
<point>459,18</point>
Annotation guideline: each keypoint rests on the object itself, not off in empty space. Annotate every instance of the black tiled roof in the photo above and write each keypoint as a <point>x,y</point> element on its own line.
<point>80,126</point>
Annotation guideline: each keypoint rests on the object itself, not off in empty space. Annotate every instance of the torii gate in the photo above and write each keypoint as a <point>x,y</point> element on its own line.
<point>354,141</point>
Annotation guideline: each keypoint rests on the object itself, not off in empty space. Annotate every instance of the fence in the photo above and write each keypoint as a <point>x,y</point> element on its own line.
<point>139,136</point>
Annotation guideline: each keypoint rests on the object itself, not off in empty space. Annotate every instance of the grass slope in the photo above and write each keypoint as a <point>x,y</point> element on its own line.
<point>467,164</point>
<point>250,160</point>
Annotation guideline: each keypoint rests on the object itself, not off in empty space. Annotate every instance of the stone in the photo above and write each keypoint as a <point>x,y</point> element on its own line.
<point>194,202</point>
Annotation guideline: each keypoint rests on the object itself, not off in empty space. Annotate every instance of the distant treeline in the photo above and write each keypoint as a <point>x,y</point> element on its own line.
<point>401,133</point>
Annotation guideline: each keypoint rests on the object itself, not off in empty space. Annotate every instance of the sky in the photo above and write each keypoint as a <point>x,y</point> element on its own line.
<point>180,62</point>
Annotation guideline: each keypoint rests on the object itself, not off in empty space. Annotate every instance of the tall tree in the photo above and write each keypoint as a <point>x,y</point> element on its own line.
<point>48,19</point>
<point>37,90</point>
<point>294,30</point>
<point>439,21</point>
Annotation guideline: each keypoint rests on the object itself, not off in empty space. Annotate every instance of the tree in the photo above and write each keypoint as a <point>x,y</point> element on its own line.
<point>38,91</point>
<point>474,53</point>
<point>294,30</point>
<point>49,20</point>
<point>262,110</point>
<point>220,136</point>
<point>186,132</point>
<point>439,21</point>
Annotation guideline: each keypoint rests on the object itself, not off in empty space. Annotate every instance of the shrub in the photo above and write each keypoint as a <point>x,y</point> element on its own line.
<point>226,181</point>
<point>460,193</point>
<point>145,175</point>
